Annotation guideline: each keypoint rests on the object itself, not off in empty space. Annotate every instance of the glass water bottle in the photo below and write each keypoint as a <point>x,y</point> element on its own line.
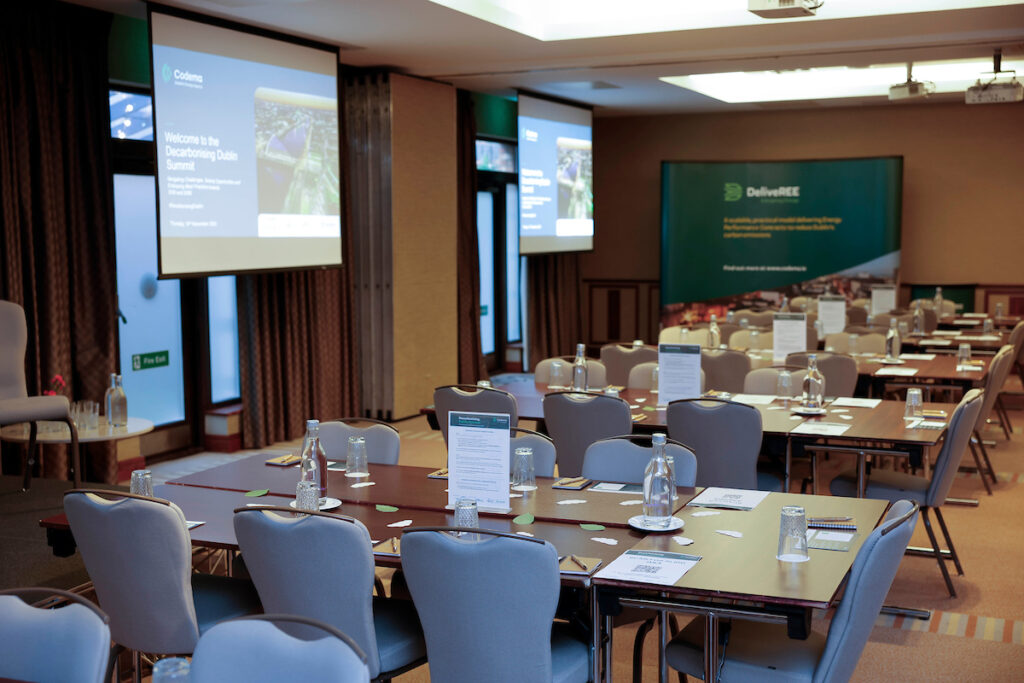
<point>893,343</point>
<point>313,466</point>
<point>579,369</point>
<point>937,301</point>
<point>814,384</point>
<point>918,320</point>
<point>714,334</point>
<point>116,402</point>
<point>658,486</point>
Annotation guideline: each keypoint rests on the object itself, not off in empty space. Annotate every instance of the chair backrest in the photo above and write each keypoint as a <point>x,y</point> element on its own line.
<point>382,441</point>
<point>812,336</point>
<point>873,342</point>
<point>641,376</point>
<point>255,650</point>
<point>576,420</point>
<point>624,459</point>
<point>862,303</point>
<point>800,303</point>
<point>474,632</point>
<point>725,369</point>
<point>839,371</point>
<point>138,554</point>
<point>66,645</point>
<point>744,339</point>
<point>319,566</point>
<point>724,435</point>
<point>998,368</point>
<point>761,319</point>
<point>727,330</point>
<point>872,573</point>
<point>543,450</point>
<point>1016,340</point>
<point>673,335</point>
<point>618,360</point>
<point>766,381</point>
<point>961,424</point>
<point>931,320</point>
<point>597,376</point>
<point>855,315</point>
<point>13,342</point>
<point>837,342</point>
<point>469,398</point>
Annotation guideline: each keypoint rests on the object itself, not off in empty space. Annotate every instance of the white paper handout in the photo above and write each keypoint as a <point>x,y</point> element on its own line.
<point>847,402</point>
<point>917,356</point>
<point>896,372</point>
<point>820,428</point>
<point>754,399</point>
<point>883,298</point>
<point>733,499</point>
<point>832,313</point>
<point>789,334</point>
<point>649,566</point>
<point>678,372</point>
<point>478,459</point>
<point>935,342</point>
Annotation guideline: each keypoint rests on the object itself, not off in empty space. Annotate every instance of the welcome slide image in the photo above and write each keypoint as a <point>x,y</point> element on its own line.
<point>556,177</point>
<point>247,150</point>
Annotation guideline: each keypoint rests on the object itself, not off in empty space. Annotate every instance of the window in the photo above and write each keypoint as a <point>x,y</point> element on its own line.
<point>225,379</point>
<point>131,116</point>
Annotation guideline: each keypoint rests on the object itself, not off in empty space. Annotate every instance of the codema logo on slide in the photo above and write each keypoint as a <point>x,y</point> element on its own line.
<point>733,191</point>
<point>166,73</point>
<point>181,77</point>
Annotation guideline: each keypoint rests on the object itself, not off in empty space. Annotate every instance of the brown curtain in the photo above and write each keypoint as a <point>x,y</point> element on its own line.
<point>471,359</point>
<point>55,190</point>
<point>555,318</point>
<point>297,352</point>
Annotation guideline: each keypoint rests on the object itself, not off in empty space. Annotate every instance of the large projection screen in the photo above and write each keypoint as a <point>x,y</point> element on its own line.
<point>556,177</point>
<point>247,149</point>
<point>741,234</point>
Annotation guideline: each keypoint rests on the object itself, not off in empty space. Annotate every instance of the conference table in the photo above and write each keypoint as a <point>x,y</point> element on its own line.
<point>972,320</point>
<point>948,341</point>
<point>730,569</point>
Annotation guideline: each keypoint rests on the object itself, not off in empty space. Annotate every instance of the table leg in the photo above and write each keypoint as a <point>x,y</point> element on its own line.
<point>595,620</point>
<point>711,648</point>
<point>861,474</point>
<point>789,463</point>
<point>609,628</point>
<point>662,642</point>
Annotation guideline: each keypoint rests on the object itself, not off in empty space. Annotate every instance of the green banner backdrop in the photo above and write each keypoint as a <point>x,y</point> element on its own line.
<point>730,228</point>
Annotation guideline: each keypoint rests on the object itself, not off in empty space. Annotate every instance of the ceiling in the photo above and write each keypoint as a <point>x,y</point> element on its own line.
<point>618,75</point>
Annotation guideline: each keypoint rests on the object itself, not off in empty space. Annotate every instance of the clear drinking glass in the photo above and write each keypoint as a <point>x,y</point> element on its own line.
<point>142,483</point>
<point>611,391</point>
<point>557,375</point>
<point>654,379</point>
<point>744,323</point>
<point>963,353</point>
<point>914,407</point>
<point>523,476</point>
<point>484,383</point>
<point>784,384</point>
<point>793,535</point>
<point>851,343</point>
<point>903,328</point>
<point>986,327</point>
<point>670,460</point>
<point>638,343</point>
<point>999,309</point>
<point>172,670</point>
<point>356,466</point>
<point>755,339</point>
<point>466,514</point>
<point>93,409</point>
<point>307,495</point>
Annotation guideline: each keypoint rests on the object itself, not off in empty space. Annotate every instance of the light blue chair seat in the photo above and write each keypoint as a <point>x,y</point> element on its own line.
<point>221,597</point>
<point>766,481</point>
<point>885,484</point>
<point>570,657</point>
<point>399,637</point>
<point>756,652</point>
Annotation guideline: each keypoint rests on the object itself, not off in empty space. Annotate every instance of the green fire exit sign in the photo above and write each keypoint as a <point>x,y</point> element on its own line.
<point>153,359</point>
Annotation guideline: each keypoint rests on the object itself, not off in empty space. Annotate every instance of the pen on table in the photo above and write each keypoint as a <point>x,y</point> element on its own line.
<point>394,545</point>
<point>578,563</point>
<point>573,480</point>
<point>830,519</point>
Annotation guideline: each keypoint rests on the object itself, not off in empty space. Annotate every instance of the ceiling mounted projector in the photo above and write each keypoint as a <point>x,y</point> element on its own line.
<point>994,92</point>
<point>783,9</point>
<point>910,88</point>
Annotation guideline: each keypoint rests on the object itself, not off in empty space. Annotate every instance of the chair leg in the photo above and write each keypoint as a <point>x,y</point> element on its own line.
<point>984,456</point>
<point>1004,417</point>
<point>938,553</point>
<point>74,461</point>
<point>673,627</point>
<point>29,459</point>
<point>977,463</point>
<point>638,649</point>
<point>136,667</point>
<point>949,541</point>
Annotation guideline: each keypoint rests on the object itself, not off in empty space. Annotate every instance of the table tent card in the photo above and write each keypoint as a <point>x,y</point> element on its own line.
<point>789,335</point>
<point>832,313</point>
<point>732,499</point>
<point>678,372</point>
<point>883,298</point>
<point>478,459</point>
<point>649,566</point>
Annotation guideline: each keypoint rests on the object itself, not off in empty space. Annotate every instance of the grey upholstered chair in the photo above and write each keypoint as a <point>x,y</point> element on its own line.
<point>618,360</point>
<point>382,440</point>
<point>321,566</point>
<point>674,335</point>
<point>994,385</point>
<point>623,459</point>
<point>764,652</point>
<point>475,633</point>
<point>255,650</point>
<point>745,339</point>
<point>869,342</point>
<point>929,493</point>
<point>761,318</point>
<point>470,398</point>
<point>66,645</point>
<point>543,449</point>
<point>726,438</point>
<point>15,403</point>
<point>641,376</point>
<point>766,381</point>
<point>1016,340</point>
<point>575,420</point>
<point>138,554</point>
<point>997,372</point>
<point>839,371</point>
<point>856,315</point>
<point>725,369</point>
<point>597,375</point>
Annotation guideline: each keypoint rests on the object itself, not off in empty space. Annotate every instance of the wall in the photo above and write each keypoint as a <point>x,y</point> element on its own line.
<point>962,179</point>
<point>423,199</point>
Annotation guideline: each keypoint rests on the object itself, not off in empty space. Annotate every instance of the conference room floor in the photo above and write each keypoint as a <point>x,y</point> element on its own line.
<point>978,635</point>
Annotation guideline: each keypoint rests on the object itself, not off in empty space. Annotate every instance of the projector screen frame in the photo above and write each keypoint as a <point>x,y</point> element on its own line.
<point>554,99</point>
<point>219,22</point>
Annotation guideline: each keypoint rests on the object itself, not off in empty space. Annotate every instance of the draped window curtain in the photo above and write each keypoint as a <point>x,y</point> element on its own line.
<point>555,318</point>
<point>56,217</point>
<point>471,359</point>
